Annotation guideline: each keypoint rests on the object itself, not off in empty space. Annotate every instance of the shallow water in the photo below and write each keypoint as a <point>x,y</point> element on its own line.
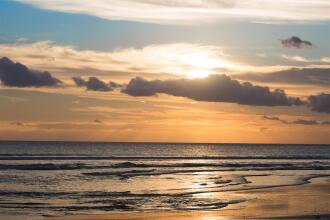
<point>60,178</point>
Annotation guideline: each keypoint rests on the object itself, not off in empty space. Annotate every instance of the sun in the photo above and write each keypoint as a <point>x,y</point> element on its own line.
<point>203,63</point>
<point>199,73</point>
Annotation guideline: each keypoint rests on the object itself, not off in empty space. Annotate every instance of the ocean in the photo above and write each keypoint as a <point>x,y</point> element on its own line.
<point>65,178</point>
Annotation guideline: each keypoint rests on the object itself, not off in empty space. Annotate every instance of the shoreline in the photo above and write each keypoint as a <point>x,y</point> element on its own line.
<point>283,202</point>
<point>186,216</point>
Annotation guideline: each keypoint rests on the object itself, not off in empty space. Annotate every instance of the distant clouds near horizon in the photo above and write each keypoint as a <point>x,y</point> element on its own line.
<point>213,88</point>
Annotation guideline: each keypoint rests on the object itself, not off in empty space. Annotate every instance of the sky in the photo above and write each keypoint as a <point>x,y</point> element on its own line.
<point>204,71</point>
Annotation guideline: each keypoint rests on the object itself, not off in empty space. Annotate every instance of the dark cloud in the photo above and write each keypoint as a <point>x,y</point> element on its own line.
<point>312,76</point>
<point>274,118</point>
<point>115,85</point>
<point>18,75</point>
<point>214,88</point>
<point>306,122</point>
<point>320,103</point>
<point>95,84</point>
<point>296,42</point>
<point>79,81</point>
<point>97,121</point>
<point>297,122</point>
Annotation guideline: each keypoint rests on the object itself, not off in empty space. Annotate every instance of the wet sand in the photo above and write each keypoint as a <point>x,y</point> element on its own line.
<point>308,201</point>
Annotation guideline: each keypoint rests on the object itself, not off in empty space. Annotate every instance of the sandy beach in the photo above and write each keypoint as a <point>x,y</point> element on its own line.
<point>308,201</point>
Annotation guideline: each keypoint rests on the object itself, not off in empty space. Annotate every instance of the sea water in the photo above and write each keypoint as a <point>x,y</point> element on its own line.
<point>63,178</point>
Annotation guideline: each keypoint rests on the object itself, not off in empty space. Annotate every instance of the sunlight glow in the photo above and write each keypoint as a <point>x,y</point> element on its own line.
<point>202,63</point>
<point>182,59</point>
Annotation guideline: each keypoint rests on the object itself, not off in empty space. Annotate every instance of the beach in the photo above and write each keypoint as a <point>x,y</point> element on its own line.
<point>307,201</point>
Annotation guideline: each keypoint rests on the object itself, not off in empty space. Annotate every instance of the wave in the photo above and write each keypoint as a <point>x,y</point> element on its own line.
<point>124,174</point>
<point>46,166</point>
<point>128,205</point>
<point>63,194</point>
<point>111,201</point>
<point>155,172</point>
<point>119,206</point>
<point>50,166</point>
<point>128,194</point>
<point>314,165</point>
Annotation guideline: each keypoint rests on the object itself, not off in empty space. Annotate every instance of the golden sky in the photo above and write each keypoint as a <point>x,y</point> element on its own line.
<point>189,71</point>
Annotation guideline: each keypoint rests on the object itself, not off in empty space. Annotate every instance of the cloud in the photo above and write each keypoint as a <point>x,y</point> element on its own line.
<point>317,103</point>
<point>178,58</point>
<point>153,61</point>
<point>296,122</point>
<point>295,58</point>
<point>94,84</point>
<point>322,60</point>
<point>325,59</point>
<point>18,75</point>
<point>296,42</point>
<point>320,103</point>
<point>313,76</point>
<point>214,88</point>
<point>179,12</point>
<point>305,122</point>
<point>274,118</point>
<point>79,81</point>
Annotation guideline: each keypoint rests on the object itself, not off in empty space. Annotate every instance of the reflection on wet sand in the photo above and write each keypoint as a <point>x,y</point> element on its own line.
<point>307,201</point>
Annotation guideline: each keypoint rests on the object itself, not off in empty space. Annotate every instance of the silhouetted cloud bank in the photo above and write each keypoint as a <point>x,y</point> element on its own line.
<point>95,84</point>
<point>320,103</point>
<point>18,75</point>
<point>214,88</point>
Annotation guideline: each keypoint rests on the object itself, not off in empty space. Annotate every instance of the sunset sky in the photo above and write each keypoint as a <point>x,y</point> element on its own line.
<point>255,71</point>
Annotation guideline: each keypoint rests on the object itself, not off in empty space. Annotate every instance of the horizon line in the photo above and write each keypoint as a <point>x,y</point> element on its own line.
<point>163,142</point>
